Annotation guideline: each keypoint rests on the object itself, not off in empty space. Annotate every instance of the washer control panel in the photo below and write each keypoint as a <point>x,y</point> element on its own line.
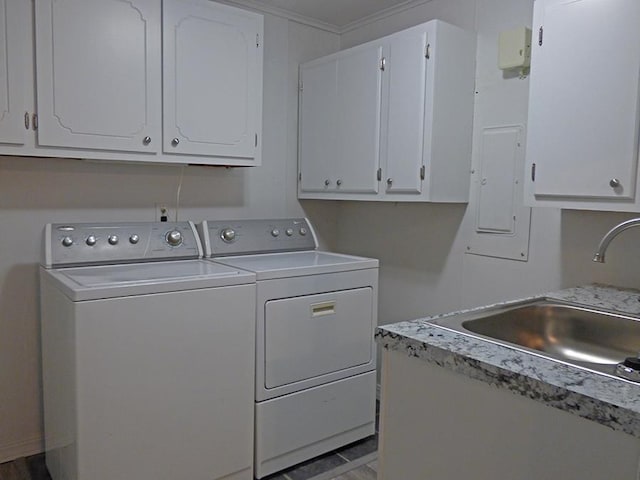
<point>111,243</point>
<point>242,237</point>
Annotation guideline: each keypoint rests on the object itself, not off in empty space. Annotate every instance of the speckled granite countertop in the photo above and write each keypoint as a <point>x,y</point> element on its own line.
<point>604,399</point>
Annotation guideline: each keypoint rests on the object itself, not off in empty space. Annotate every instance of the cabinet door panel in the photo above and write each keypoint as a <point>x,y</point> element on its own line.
<point>405,114</point>
<point>13,19</point>
<point>318,126</point>
<point>583,127</point>
<point>359,93</point>
<point>98,74</point>
<point>212,79</point>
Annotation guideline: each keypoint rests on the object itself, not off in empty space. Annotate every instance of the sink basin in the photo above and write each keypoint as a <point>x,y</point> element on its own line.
<point>580,336</point>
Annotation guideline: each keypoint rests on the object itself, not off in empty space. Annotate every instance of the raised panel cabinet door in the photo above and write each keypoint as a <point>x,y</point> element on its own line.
<point>404,112</point>
<point>359,106</point>
<point>212,73</point>
<point>98,74</point>
<point>318,127</point>
<point>14,18</point>
<point>583,108</point>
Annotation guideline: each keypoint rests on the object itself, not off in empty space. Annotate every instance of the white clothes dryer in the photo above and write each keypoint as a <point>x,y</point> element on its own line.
<point>147,352</point>
<point>315,357</point>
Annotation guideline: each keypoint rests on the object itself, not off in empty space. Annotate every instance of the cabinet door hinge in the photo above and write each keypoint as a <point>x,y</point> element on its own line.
<point>257,40</point>
<point>533,172</point>
<point>422,172</point>
<point>34,121</point>
<point>427,51</point>
<point>379,174</point>
<point>301,86</point>
<point>383,63</point>
<point>27,120</point>
<point>300,176</point>
<point>540,34</point>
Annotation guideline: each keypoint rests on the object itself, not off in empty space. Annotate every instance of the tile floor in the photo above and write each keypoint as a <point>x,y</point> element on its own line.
<point>356,461</point>
<point>33,468</point>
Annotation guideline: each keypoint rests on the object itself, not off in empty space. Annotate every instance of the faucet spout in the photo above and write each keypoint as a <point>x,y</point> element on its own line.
<point>611,234</point>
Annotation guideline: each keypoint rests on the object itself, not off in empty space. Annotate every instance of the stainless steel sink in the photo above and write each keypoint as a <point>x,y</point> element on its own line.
<point>580,336</point>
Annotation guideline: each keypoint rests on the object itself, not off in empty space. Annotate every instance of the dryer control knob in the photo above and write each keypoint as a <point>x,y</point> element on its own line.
<point>303,231</point>
<point>228,235</point>
<point>174,238</point>
<point>67,241</point>
<point>91,240</point>
<point>113,239</point>
<point>289,232</point>
<point>133,239</point>
<point>275,232</point>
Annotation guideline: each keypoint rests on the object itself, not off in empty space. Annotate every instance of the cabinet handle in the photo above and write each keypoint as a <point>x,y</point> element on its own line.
<point>175,142</point>
<point>146,140</point>
<point>389,181</point>
<point>339,182</point>
<point>614,183</point>
<point>26,120</point>
<point>327,182</point>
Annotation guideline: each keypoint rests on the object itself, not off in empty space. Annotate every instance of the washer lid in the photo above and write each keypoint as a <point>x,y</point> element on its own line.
<point>295,264</point>
<point>107,281</point>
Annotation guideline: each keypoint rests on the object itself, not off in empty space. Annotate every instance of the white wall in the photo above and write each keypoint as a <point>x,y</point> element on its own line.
<point>35,191</point>
<point>424,268</point>
<point>421,247</point>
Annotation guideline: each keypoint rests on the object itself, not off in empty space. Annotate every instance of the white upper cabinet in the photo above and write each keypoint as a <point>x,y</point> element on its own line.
<point>13,53</point>
<point>403,113</point>
<point>212,92</point>
<point>103,69</point>
<point>98,74</point>
<point>340,121</point>
<point>318,136</point>
<point>391,119</point>
<point>582,149</point>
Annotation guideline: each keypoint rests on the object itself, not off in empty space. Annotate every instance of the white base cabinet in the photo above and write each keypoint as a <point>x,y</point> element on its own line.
<point>441,425</point>
<point>390,120</point>
<point>584,117</point>
<point>164,81</point>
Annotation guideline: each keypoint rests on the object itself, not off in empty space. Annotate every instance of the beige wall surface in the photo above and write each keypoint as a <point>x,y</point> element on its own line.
<point>35,191</point>
<point>424,269</point>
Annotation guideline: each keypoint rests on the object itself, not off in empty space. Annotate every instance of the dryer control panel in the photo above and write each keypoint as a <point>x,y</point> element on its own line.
<point>243,237</point>
<point>74,244</point>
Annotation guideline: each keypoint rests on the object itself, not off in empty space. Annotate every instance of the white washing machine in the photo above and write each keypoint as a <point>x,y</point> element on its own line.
<point>315,357</point>
<point>147,351</point>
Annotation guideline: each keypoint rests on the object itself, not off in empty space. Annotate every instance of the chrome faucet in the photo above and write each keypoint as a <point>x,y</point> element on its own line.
<point>611,234</point>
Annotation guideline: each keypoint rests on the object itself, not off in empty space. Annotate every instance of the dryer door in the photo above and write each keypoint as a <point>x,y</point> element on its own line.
<point>313,335</point>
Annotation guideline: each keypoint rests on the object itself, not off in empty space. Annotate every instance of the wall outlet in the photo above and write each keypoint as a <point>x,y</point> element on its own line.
<point>163,213</point>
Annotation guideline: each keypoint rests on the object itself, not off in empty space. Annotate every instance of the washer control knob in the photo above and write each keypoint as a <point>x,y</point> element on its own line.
<point>133,239</point>
<point>113,239</point>
<point>275,232</point>
<point>228,235</point>
<point>67,241</point>
<point>289,232</point>
<point>174,238</point>
<point>91,240</point>
<point>303,231</point>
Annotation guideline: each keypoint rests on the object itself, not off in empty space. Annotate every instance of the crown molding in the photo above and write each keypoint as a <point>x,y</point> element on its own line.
<point>387,12</point>
<point>281,12</point>
<point>328,27</point>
